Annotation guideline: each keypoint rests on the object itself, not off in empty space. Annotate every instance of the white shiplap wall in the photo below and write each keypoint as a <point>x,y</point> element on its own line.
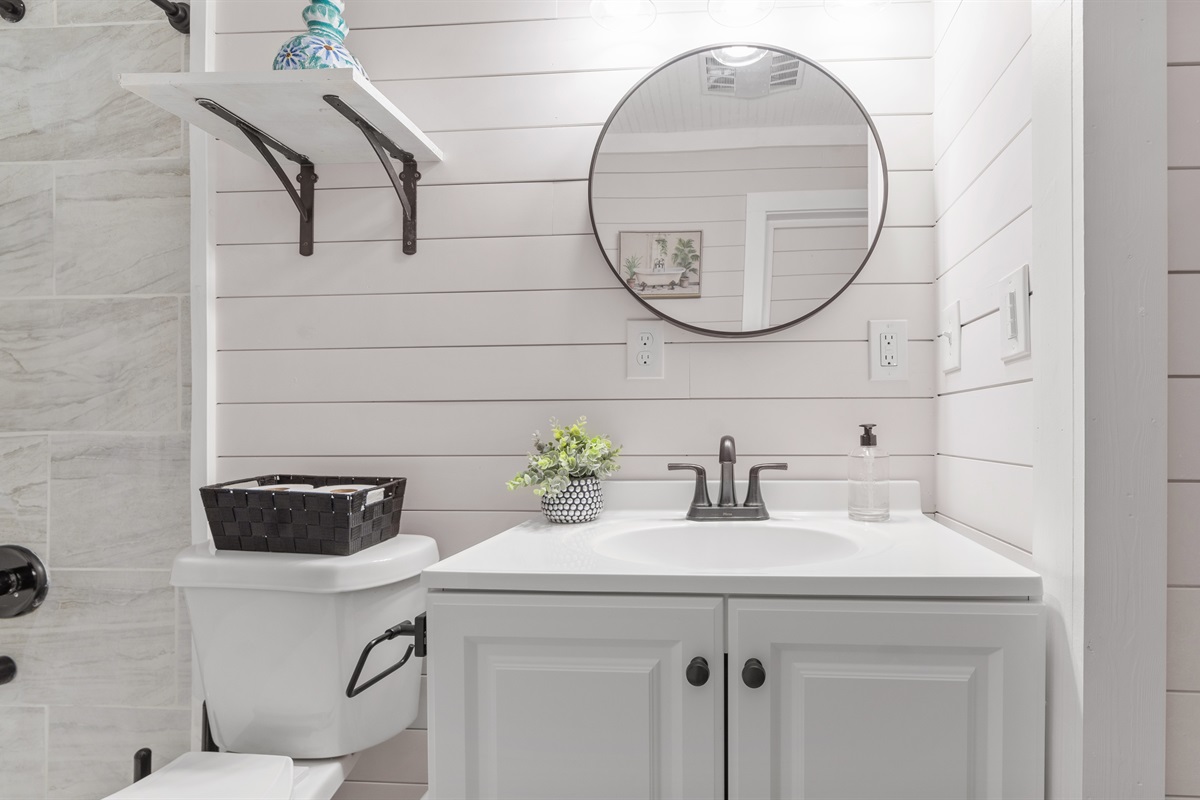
<point>983,205</point>
<point>360,360</point>
<point>1183,356</point>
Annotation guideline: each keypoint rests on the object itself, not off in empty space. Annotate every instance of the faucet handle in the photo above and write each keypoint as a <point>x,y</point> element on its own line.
<point>753,493</point>
<point>700,497</point>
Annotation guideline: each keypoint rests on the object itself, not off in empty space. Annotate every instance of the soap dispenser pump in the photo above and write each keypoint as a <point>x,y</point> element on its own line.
<point>869,475</point>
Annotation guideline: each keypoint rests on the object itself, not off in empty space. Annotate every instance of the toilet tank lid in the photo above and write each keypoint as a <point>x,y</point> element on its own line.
<point>397,559</point>
<point>203,776</point>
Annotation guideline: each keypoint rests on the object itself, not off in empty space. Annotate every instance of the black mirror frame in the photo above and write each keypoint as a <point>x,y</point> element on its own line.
<point>774,328</point>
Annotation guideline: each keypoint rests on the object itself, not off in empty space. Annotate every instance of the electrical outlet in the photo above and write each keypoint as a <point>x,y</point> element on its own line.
<point>888,349</point>
<point>644,348</point>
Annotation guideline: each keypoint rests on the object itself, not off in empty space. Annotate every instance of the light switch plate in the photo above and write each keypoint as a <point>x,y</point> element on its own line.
<point>1014,315</point>
<point>950,339</point>
<point>887,346</point>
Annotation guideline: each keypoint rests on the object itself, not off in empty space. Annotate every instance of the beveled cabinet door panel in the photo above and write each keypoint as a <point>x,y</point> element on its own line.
<point>574,696</point>
<point>897,700</point>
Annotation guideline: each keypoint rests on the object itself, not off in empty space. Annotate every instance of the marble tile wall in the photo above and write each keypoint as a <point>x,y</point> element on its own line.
<point>94,384</point>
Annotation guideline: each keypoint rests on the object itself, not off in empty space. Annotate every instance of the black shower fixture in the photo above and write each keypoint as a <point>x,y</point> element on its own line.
<point>12,10</point>
<point>178,14</point>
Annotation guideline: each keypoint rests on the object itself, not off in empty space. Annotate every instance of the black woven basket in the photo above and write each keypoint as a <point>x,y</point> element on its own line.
<point>296,521</point>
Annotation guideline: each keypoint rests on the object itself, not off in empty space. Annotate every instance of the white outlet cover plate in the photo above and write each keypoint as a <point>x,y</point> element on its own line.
<point>644,348</point>
<point>876,329</point>
<point>1014,315</point>
<point>950,339</point>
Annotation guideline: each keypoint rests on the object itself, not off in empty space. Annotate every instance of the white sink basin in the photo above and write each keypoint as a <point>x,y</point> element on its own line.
<point>725,546</point>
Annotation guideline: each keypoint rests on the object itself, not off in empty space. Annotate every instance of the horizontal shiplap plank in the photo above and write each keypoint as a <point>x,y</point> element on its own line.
<point>982,364</point>
<point>996,499</point>
<point>232,16</point>
<point>1002,193</point>
<point>1183,116</point>
<point>1183,415</point>
<point>974,281</point>
<point>578,44</point>
<point>815,369</point>
<point>402,759</point>
<point>477,483</point>
<point>903,255</point>
<point>978,46</point>
<point>468,211</point>
<point>512,318</point>
<point>518,209</point>
<point>645,427</point>
<point>1004,113</point>
<point>520,155</point>
<point>587,98</point>
<point>1183,348</point>
<point>1183,31</point>
<point>1183,639</point>
<point>1183,234</point>
<point>521,263</point>
<point>1183,509</point>
<point>1000,546</point>
<point>530,154</point>
<point>361,790</point>
<point>995,424</point>
<point>1183,743</point>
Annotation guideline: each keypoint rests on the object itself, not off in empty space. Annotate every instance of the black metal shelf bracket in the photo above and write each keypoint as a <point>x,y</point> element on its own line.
<point>405,183</point>
<point>12,10</point>
<point>305,197</point>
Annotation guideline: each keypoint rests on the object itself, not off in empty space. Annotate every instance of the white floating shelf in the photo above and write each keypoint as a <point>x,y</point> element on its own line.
<point>288,105</point>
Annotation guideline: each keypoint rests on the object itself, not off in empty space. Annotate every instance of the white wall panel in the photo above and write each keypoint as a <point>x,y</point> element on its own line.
<point>999,196</point>
<point>1183,116</point>
<point>1183,234</point>
<point>1183,742</point>
<point>775,427</point>
<point>438,366</point>
<point>471,318</point>
<point>476,483</point>
<point>990,424</point>
<point>1183,639</point>
<point>990,497</point>
<point>1183,509</point>
<point>980,43</point>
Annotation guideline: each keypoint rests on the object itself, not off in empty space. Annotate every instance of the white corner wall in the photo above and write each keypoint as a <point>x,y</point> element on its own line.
<point>983,203</point>
<point>438,366</point>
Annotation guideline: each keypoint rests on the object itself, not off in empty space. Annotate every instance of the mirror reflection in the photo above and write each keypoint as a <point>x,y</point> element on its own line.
<point>738,190</point>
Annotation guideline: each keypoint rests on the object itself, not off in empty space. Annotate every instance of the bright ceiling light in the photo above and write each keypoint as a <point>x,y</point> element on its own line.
<point>854,10</point>
<point>739,13</point>
<point>623,16</point>
<point>738,55</point>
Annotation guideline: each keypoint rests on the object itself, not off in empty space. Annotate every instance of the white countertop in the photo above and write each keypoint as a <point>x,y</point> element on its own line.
<point>909,555</point>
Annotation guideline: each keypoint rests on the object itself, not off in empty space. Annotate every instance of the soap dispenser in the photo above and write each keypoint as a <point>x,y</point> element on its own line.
<point>869,474</point>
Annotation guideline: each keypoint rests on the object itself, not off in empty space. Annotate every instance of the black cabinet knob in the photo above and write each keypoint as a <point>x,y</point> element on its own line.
<point>753,674</point>
<point>697,671</point>
<point>8,670</point>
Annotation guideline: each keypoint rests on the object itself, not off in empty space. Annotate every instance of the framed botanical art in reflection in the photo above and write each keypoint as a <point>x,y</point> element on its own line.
<point>661,264</point>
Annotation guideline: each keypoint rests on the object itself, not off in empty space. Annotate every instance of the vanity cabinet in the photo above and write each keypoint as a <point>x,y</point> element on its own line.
<point>574,696</point>
<point>535,696</point>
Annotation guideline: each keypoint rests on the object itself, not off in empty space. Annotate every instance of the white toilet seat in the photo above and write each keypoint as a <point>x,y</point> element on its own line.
<point>241,776</point>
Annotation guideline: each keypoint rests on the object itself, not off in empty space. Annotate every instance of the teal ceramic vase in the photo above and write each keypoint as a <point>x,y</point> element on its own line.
<point>323,46</point>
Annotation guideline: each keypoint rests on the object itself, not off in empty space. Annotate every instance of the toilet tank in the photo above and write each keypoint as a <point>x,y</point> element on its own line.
<point>277,636</point>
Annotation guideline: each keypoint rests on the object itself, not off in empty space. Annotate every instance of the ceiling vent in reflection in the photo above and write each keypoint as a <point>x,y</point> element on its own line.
<point>759,78</point>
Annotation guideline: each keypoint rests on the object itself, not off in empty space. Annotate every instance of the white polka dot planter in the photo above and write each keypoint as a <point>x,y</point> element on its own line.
<point>581,501</point>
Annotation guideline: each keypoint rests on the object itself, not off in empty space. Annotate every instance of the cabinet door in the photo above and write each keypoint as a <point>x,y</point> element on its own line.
<point>890,700</point>
<point>573,696</point>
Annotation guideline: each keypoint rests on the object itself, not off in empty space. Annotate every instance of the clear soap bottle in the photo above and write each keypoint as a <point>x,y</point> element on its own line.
<point>869,475</point>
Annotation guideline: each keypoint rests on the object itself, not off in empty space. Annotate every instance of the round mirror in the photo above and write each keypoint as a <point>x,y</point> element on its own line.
<point>738,189</point>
